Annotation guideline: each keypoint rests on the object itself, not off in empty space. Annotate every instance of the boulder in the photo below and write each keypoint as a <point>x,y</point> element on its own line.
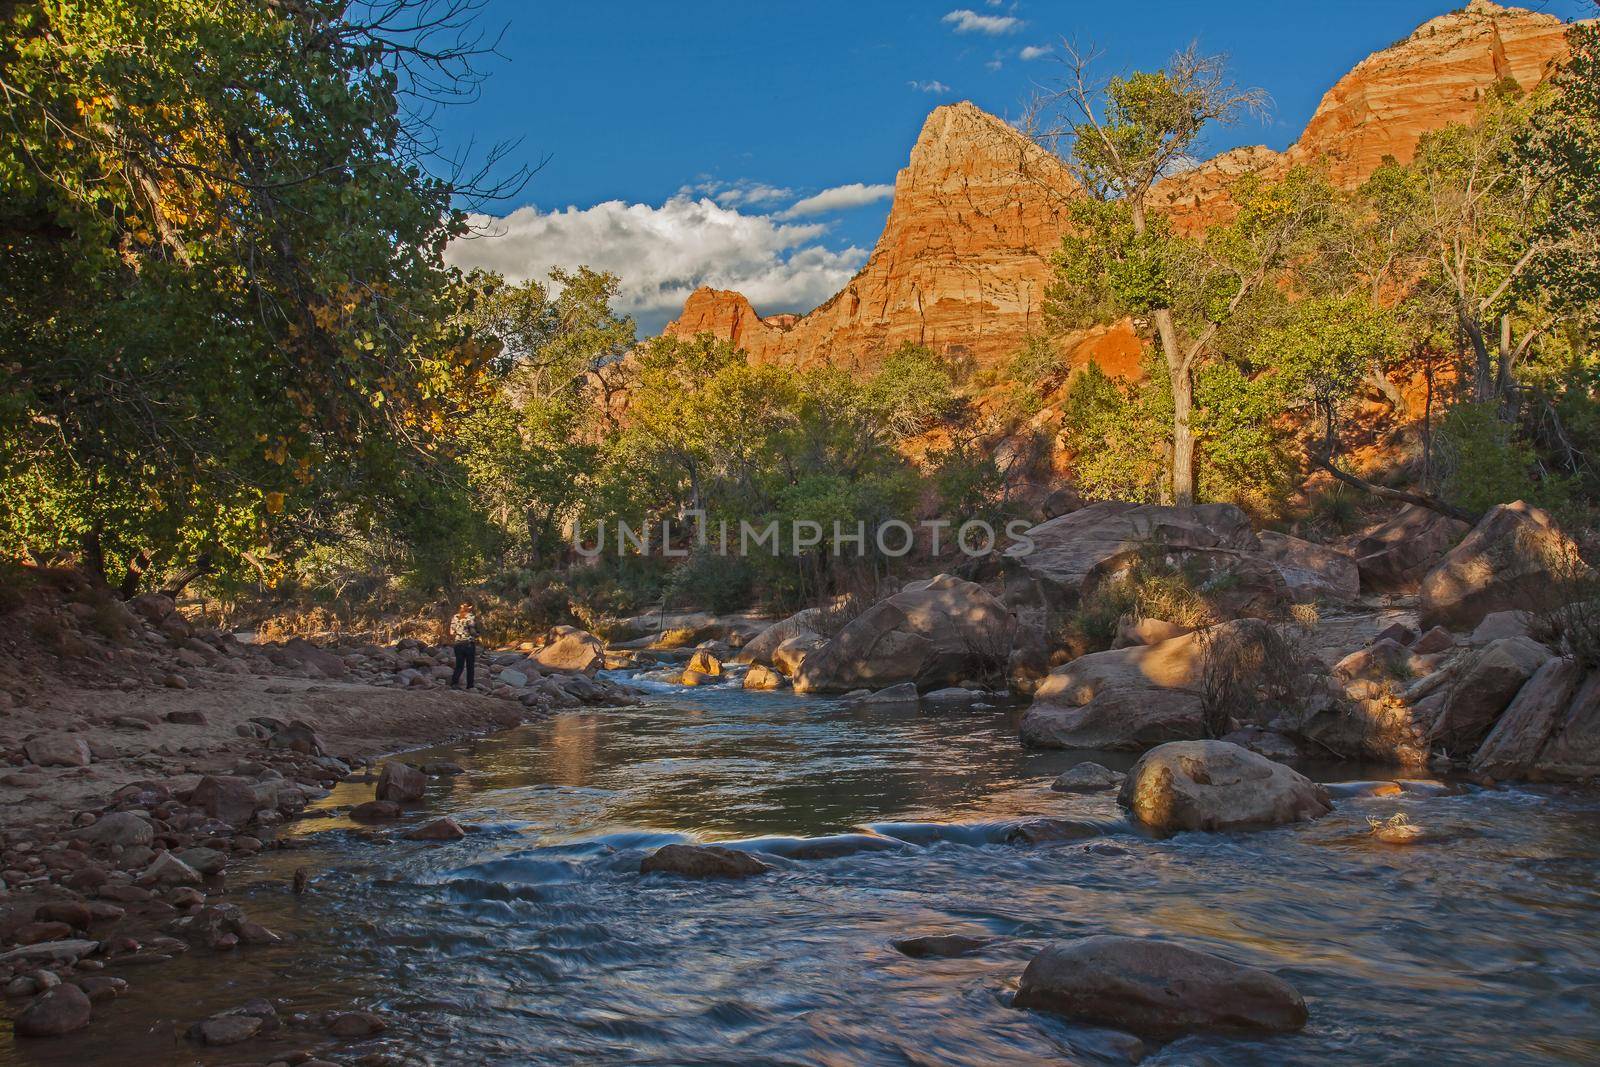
<point>703,662</point>
<point>1481,689</point>
<point>514,678</point>
<point>702,861</point>
<point>1215,785</point>
<point>572,651</point>
<point>1498,625</point>
<point>1087,778</point>
<point>1516,557</point>
<point>760,677</point>
<point>792,652</point>
<point>1157,989</point>
<point>694,678</point>
<point>168,870</point>
<point>59,750</point>
<point>1573,751</point>
<point>1519,736</point>
<point>205,861</point>
<point>227,797</point>
<point>153,607</point>
<point>904,693</point>
<point>1312,572</point>
<point>118,828</point>
<point>58,1011</point>
<point>934,633</point>
<point>1059,561</point>
<point>759,649</point>
<point>1395,556</point>
<point>1148,632</point>
<point>401,783</point>
<point>1115,720</point>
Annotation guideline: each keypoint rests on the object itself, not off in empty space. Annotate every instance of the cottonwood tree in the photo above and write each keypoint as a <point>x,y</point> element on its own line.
<point>1119,137</point>
<point>222,295</point>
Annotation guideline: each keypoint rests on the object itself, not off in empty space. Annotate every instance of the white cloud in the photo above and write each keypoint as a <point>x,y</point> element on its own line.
<point>929,87</point>
<point>965,20</point>
<point>664,253</point>
<point>994,64</point>
<point>839,198</point>
<point>1035,51</point>
<point>740,193</point>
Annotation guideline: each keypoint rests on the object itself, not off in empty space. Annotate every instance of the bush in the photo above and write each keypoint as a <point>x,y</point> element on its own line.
<point>1152,588</point>
<point>712,582</point>
<point>1255,672</point>
<point>1482,462</point>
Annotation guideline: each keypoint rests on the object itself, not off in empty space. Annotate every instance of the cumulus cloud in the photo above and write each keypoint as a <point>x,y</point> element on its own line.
<point>966,20</point>
<point>1035,51</point>
<point>838,198</point>
<point>664,253</point>
<point>929,87</point>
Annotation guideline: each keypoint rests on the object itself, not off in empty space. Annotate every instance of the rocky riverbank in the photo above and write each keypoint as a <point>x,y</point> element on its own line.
<point>142,757</point>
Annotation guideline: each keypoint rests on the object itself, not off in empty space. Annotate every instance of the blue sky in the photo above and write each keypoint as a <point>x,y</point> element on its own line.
<point>684,142</point>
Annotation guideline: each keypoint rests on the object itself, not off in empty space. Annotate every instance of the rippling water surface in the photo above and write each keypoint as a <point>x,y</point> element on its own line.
<point>535,940</point>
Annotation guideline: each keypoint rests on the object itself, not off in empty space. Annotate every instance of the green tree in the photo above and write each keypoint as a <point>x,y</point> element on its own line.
<point>222,294</point>
<point>1118,140</point>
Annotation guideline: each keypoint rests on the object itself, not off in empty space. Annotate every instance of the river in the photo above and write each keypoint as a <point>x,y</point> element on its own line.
<point>535,940</point>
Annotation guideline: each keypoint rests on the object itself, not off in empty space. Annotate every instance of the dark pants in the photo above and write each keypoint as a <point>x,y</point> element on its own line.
<point>466,658</point>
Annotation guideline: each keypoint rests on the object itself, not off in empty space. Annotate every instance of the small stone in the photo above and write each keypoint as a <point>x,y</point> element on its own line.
<point>168,869</point>
<point>187,717</point>
<point>375,811</point>
<point>1087,778</point>
<point>35,933</point>
<point>446,829</point>
<point>401,782</point>
<point>934,946</point>
<point>225,1029</point>
<point>174,681</point>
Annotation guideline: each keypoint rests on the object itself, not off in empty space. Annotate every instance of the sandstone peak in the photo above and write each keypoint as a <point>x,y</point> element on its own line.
<point>963,260</point>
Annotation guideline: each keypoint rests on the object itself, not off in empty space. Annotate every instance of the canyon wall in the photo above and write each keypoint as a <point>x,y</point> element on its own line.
<point>963,260</point>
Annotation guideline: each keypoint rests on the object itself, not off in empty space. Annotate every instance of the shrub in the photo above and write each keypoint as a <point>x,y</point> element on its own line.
<point>1151,588</point>
<point>712,582</point>
<point>1254,672</point>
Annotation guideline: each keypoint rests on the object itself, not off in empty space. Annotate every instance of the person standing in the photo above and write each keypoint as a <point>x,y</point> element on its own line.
<point>464,636</point>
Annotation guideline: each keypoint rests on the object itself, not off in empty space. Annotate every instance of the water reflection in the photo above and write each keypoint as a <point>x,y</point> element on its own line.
<point>535,940</point>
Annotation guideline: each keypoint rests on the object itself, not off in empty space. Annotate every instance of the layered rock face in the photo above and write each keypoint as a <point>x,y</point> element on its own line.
<point>963,261</point>
<point>1435,77</point>
<point>961,265</point>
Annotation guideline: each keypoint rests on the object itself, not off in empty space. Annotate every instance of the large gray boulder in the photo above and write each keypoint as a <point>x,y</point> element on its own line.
<point>1481,689</point>
<point>1072,554</point>
<point>1216,785</point>
<point>760,648</point>
<point>1395,556</point>
<point>1538,713</point>
<point>1573,751</point>
<point>1515,558</point>
<point>1312,572</point>
<point>1157,989</point>
<point>934,633</point>
<point>1130,720</point>
<point>571,650</point>
<point>1128,699</point>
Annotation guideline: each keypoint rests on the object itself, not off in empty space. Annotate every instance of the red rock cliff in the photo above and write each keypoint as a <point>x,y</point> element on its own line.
<point>962,262</point>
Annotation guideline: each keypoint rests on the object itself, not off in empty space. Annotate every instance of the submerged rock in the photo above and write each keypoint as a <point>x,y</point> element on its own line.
<point>938,946</point>
<point>1156,988</point>
<point>1215,785</point>
<point>1046,831</point>
<point>445,829</point>
<point>1087,778</point>
<point>702,861</point>
<point>57,1011</point>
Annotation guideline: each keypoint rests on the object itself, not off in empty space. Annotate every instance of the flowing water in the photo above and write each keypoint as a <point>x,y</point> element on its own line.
<point>535,940</point>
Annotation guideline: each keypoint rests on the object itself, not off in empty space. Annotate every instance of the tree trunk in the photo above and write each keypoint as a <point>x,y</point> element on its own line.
<point>1182,402</point>
<point>181,580</point>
